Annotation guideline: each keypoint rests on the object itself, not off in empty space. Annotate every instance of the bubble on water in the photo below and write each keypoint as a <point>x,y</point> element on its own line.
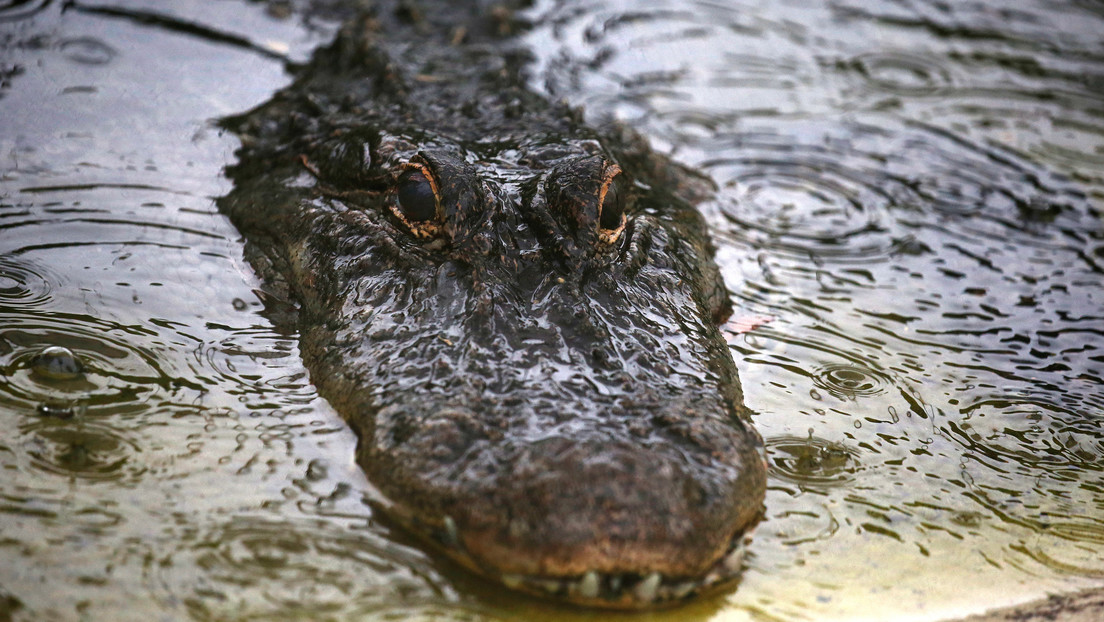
<point>57,363</point>
<point>57,359</point>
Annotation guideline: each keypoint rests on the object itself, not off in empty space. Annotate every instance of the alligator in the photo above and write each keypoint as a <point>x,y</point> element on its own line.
<point>516,312</point>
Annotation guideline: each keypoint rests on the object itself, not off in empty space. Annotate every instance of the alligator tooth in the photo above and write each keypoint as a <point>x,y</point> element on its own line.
<point>512,581</point>
<point>452,535</point>
<point>517,528</point>
<point>551,586</point>
<point>682,590</point>
<point>646,590</point>
<point>615,583</point>
<point>588,587</point>
<point>734,560</point>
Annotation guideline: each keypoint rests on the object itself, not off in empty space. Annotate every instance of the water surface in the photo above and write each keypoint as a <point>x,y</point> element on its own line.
<point>910,218</point>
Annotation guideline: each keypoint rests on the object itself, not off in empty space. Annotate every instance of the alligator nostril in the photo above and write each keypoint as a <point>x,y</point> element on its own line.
<point>646,513</point>
<point>600,356</point>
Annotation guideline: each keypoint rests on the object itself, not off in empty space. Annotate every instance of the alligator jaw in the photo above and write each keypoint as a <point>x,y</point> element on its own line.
<point>638,590</point>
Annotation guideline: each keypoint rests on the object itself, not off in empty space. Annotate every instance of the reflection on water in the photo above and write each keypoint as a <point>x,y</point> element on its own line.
<point>908,215</point>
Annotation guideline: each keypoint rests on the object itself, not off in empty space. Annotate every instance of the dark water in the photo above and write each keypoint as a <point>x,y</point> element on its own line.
<point>909,218</point>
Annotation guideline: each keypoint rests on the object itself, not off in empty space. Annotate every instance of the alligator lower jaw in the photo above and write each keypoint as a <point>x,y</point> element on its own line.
<point>629,591</point>
<point>619,591</point>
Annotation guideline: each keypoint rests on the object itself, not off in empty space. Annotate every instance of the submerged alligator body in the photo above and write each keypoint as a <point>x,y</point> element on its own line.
<point>515,312</point>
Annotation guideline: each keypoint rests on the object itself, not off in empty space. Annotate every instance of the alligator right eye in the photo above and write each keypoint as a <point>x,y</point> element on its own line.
<point>588,195</point>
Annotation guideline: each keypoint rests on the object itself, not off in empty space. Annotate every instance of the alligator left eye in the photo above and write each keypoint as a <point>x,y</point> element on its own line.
<point>611,205</point>
<point>417,194</point>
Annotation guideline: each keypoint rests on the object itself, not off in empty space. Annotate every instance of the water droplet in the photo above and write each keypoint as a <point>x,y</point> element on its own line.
<point>59,408</point>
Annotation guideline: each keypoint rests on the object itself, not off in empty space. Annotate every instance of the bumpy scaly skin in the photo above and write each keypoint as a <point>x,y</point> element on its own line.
<point>549,402</point>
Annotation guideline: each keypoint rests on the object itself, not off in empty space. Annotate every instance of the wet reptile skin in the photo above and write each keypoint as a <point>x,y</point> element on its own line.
<point>538,384</point>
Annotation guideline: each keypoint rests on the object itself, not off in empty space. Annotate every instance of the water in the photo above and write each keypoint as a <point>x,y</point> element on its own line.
<point>909,217</point>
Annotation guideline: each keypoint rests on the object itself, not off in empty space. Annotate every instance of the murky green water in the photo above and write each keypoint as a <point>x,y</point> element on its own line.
<point>909,217</point>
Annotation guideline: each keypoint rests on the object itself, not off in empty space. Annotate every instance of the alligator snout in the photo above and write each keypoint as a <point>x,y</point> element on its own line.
<point>584,509</point>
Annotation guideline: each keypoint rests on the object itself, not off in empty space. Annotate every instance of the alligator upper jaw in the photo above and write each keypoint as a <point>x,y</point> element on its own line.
<point>615,526</point>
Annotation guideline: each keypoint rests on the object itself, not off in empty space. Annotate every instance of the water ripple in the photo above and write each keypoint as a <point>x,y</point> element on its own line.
<point>810,209</point>
<point>120,375</point>
<point>12,10</point>
<point>87,51</point>
<point>811,524</point>
<point>846,380</point>
<point>860,191</point>
<point>1030,435</point>
<point>805,193</point>
<point>265,567</point>
<point>1072,547</point>
<point>811,462</point>
<point>256,361</point>
<point>24,284</point>
<point>902,73</point>
<point>82,449</point>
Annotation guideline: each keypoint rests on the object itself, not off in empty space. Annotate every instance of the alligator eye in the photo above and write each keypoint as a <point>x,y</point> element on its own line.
<point>611,202</point>
<point>417,194</point>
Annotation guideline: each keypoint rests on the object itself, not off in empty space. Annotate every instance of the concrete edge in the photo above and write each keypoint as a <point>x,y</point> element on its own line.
<point>1083,606</point>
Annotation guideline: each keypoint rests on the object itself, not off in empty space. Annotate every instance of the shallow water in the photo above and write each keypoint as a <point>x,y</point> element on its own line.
<point>909,217</point>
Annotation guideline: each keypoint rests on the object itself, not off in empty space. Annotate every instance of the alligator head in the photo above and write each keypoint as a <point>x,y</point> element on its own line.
<point>516,313</point>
